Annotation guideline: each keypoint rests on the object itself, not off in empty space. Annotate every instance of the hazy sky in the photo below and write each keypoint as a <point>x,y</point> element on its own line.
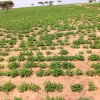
<point>26,3</point>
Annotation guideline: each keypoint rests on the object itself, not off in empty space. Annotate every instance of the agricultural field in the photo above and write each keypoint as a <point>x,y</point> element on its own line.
<point>50,53</point>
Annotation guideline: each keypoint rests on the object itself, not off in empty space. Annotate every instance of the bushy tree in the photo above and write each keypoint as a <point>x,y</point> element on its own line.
<point>6,5</point>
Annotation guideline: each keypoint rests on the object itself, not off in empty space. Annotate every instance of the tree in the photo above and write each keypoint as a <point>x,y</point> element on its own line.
<point>46,2</point>
<point>51,3</point>
<point>42,3</point>
<point>90,1</point>
<point>59,1</point>
<point>6,5</point>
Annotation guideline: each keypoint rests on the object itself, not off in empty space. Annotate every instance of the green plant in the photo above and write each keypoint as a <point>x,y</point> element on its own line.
<point>92,87</point>
<point>94,57</point>
<point>67,65</point>
<point>83,98</point>
<point>16,98</point>
<point>63,52</point>
<point>1,59</point>
<point>76,87</point>
<point>54,98</point>
<point>89,51</point>
<point>55,64</point>
<point>12,59</point>
<point>57,72</point>
<point>23,87</point>
<point>33,87</point>
<point>24,72</point>
<point>40,73</point>
<point>48,52</point>
<point>1,66</point>
<point>8,86</point>
<point>78,72</point>
<point>69,72</point>
<point>13,65</point>
<point>51,87</point>
<point>90,73</point>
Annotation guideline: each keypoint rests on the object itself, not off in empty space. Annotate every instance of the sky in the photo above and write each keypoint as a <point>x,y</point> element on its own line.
<point>27,3</point>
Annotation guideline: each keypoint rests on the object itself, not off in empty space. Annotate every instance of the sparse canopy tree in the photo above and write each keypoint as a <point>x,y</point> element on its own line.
<point>42,3</point>
<point>6,5</point>
<point>51,3</point>
<point>59,1</point>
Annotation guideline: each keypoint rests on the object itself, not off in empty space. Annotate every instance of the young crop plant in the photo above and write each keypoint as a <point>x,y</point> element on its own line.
<point>14,73</point>
<point>1,66</point>
<point>91,86</point>
<point>16,98</point>
<point>90,73</point>
<point>70,72</point>
<point>94,57</point>
<point>48,52</point>
<point>89,51</point>
<point>83,98</point>
<point>78,72</point>
<point>33,87</point>
<point>8,86</point>
<point>54,98</point>
<point>76,87</point>
<point>43,65</point>
<point>55,64</point>
<point>63,52</point>
<point>12,59</point>
<point>57,72</point>
<point>40,73</point>
<point>24,72</point>
<point>21,58</point>
<point>23,87</point>
<point>1,59</point>
<point>96,66</point>
<point>13,65</point>
<point>67,65</point>
<point>51,87</point>
<point>30,64</point>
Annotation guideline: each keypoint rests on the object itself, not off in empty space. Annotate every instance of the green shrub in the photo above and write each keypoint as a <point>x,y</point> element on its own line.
<point>24,72</point>
<point>96,66</point>
<point>76,88</point>
<point>13,65</point>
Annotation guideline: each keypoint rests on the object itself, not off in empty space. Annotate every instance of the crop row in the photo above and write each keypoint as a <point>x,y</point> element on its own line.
<point>48,87</point>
